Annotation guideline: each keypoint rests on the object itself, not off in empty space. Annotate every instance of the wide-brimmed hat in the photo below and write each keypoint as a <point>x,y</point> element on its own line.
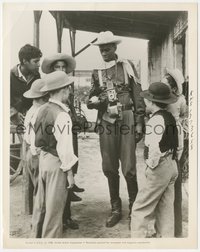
<point>159,92</point>
<point>178,77</point>
<point>48,61</point>
<point>35,90</point>
<point>106,37</point>
<point>56,80</point>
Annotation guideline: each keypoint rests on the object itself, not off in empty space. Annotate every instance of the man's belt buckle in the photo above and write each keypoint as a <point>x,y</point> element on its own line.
<point>126,107</point>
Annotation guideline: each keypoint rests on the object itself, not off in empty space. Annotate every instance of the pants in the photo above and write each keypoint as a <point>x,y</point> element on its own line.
<point>50,199</point>
<point>178,204</point>
<point>32,165</point>
<point>155,201</point>
<point>75,145</point>
<point>117,143</point>
<point>67,209</point>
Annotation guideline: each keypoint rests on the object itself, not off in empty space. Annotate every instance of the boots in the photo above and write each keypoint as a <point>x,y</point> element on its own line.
<point>115,216</point>
<point>74,197</point>
<point>132,192</point>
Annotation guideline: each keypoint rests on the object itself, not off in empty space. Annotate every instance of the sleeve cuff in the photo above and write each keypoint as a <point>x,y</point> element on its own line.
<point>67,167</point>
<point>151,163</point>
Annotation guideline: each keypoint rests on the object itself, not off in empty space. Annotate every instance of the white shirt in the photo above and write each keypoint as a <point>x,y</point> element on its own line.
<point>155,128</point>
<point>63,136</point>
<point>20,73</point>
<point>125,63</point>
<point>29,122</point>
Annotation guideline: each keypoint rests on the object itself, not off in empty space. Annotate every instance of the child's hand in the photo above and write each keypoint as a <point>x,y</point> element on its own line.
<point>70,178</point>
<point>138,133</point>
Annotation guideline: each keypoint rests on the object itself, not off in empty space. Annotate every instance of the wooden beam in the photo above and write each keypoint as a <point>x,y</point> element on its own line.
<point>59,26</point>
<point>140,24</point>
<point>36,36</point>
<point>117,17</point>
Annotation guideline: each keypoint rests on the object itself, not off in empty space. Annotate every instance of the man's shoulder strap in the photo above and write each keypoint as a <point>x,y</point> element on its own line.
<point>100,77</point>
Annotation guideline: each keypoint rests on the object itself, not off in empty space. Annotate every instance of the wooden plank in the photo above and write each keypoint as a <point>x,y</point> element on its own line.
<point>36,36</point>
<point>27,191</point>
<point>85,47</point>
<point>15,157</point>
<point>59,26</point>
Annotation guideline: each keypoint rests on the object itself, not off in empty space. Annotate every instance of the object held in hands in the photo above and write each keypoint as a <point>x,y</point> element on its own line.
<point>114,106</point>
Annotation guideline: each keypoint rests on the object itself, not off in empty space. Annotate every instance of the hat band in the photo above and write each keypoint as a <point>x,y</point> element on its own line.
<point>159,97</point>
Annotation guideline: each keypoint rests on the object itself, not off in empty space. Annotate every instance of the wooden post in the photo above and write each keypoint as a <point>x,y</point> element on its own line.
<point>36,37</point>
<point>59,26</point>
<point>27,183</point>
<point>73,42</point>
<point>28,191</point>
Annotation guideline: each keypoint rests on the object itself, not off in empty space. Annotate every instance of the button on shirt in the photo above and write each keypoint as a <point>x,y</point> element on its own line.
<point>155,128</point>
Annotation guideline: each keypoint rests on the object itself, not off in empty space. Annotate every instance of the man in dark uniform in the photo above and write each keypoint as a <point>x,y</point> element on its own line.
<point>115,94</point>
<point>21,78</point>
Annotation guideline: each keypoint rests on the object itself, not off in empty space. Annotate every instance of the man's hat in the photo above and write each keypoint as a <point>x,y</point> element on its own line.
<point>178,77</point>
<point>159,92</point>
<point>35,90</point>
<point>106,37</point>
<point>56,80</point>
<point>48,61</point>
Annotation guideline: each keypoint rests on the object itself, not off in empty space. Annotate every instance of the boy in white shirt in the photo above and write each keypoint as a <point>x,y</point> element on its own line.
<point>53,135</point>
<point>155,198</point>
<point>32,159</point>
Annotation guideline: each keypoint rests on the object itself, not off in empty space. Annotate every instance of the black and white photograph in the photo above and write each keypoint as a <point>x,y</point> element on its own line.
<point>100,126</point>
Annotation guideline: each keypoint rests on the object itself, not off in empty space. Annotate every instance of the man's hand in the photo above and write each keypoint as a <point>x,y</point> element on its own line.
<point>138,133</point>
<point>18,118</point>
<point>21,118</point>
<point>94,100</point>
<point>70,178</point>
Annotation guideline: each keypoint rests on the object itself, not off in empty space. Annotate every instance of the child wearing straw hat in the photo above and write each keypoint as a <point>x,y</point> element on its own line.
<point>67,64</point>
<point>32,159</point>
<point>155,198</point>
<point>53,135</point>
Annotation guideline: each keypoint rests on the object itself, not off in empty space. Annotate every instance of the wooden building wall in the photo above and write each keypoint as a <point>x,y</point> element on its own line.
<point>171,52</point>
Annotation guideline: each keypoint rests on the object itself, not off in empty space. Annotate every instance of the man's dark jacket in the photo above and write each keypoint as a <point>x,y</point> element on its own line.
<point>139,105</point>
<point>18,86</point>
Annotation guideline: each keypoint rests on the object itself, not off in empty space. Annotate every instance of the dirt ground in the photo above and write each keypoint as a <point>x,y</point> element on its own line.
<point>94,208</point>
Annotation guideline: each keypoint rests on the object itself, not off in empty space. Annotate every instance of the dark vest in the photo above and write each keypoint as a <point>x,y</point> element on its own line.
<point>44,127</point>
<point>169,141</point>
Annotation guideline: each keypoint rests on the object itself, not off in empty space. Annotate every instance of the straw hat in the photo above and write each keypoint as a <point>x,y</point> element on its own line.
<point>48,61</point>
<point>159,92</point>
<point>178,77</point>
<point>35,90</point>
<point>107,37</point>
<point>56,80</point>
